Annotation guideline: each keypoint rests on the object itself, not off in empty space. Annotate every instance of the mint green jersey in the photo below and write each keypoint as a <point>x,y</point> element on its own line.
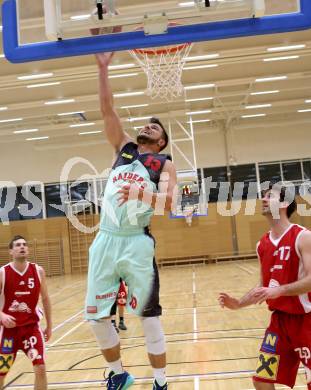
<point>130,168</point>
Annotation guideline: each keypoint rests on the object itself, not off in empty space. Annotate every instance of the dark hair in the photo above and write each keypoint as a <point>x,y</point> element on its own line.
<point>287,194</point>
<point>164,133</point>
<point>15,238</point>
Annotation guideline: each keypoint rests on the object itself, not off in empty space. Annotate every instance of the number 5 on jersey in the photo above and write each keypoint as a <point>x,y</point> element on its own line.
<point>31,283</point>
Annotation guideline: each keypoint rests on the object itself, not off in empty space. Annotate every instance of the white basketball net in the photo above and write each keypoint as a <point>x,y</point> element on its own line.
<point>163,67</point>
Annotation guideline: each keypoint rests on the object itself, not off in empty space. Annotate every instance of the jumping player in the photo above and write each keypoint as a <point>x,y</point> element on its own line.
<point>285,260</point>
<point>141,180</point>
<point>21,284</point>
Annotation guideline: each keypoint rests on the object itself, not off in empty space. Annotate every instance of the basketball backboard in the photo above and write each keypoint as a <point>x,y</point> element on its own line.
<point>191,201</point>
<point>66,23</point>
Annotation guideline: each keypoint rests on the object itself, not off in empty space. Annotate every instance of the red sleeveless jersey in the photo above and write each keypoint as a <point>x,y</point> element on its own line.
<point>20,293</point>
<point>281,264</point>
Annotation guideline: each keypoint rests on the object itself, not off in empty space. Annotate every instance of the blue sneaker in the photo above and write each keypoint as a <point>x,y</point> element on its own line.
<point>119,381</point>
<point>156,386</point>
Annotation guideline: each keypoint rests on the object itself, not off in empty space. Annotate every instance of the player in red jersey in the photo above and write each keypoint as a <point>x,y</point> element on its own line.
<point>21,284</point>
<point>285,260</point>
<point>120,303</point>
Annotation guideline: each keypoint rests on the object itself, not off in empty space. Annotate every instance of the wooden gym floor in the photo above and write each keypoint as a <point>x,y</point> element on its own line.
<point>208,347</point>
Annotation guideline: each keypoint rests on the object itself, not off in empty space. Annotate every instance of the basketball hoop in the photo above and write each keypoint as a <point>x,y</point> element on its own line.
<point>163,67</point>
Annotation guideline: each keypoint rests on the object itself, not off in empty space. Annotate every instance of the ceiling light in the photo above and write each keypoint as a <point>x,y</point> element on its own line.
<point>43,85</point>
<point>80,17</point>
<point>25,131</point>
<point>125,94</point>
<point>35,76</point>
<point>135,106</point>
<point>264,92</point>
<point>3,108</point>
<point>284,48</point>
<point>253,116</point>
<point>306,110</point>
<point>11,120</point>
<point>258,106</point>
<point>51,102</point>
<point>83,124</point>
<point>71,113</point>
<point>199,121</point>
<point>116,76</point>
<point>201,66</point>
<point>36,138</point>
<point>306,101</point>
<point>199,99</point>
<point>121,66</point>
<point>139,118</point>
<point>192,3</point>
<point>91,132</point>
<point>203,57</point>
<point>186,4</point>
<point>274,78</point>
<point>2,55</point>
<point>280,58</point>
<point>198,86</point>
<point>198,112</point>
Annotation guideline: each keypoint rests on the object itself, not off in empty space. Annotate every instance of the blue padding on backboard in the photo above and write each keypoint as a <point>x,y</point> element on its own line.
<point>123,41</point>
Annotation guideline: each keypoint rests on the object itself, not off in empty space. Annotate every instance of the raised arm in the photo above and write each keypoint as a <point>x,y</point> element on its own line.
<point>46,305</point>
<point>113,128</point>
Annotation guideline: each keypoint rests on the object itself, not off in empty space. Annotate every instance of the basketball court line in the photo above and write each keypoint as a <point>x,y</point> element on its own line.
<point>179,378</point>
<point>66,321</point>
<point>48,346</point>
<point>284,387</point>
<point>171,294</point>
<point>87,384</point>
<point>245,269</point>
<point>203,331</point>
<point>65,299</point>
<point>194,310</point>
<point>202,340</point>
<point>214,340</point>
<point>145,380</point>
<point>168,311</point>
<point>129,366</point>
<point>65,288</point>
<point>66,334</point>
<point>301,369</point>
<point>233,330</point>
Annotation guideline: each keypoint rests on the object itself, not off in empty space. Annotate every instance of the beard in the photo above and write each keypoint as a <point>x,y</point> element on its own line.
<point>144,139</point>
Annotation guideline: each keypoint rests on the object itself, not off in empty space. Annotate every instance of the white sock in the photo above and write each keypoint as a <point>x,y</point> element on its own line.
<point>116,367</point>
<point>159,376</point>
